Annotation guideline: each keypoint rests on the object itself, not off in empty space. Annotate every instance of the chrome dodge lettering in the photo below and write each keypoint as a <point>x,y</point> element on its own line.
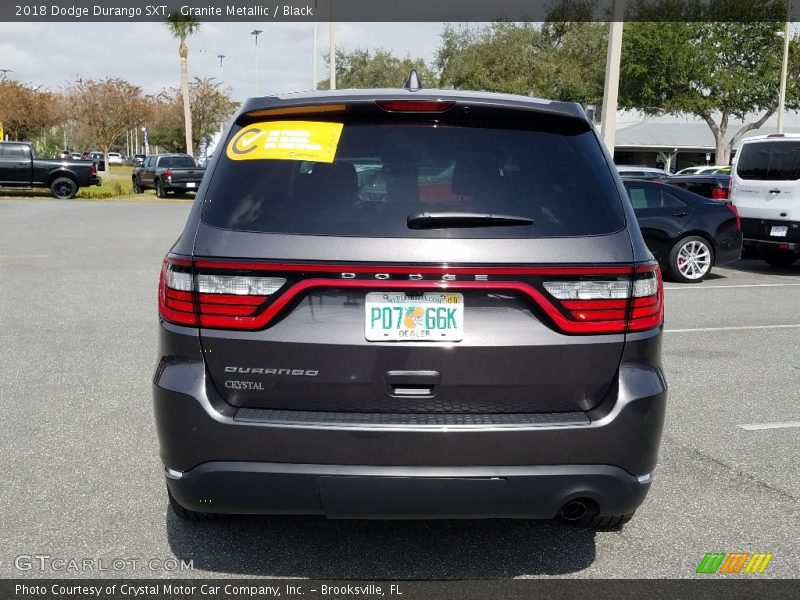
<point>416,276</point>
<point>272,371</point>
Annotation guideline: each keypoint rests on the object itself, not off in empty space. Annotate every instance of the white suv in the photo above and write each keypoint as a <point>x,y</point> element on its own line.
<point>115,158</point>
<point>765,188</point>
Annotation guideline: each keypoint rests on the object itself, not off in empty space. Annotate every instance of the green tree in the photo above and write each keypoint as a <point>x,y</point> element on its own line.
<point>103,110</point>
<point>497,58</point>
<point>27,112</point>
<point>211,106</point>
<point>561,60</point>
<point>714,70</point>
<point>181,27</point>
<point>378,68</point>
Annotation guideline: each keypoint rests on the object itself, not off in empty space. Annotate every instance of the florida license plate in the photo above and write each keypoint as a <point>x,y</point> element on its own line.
<point>432,317</point>
<point>779,230</point>
<point>191,184</point>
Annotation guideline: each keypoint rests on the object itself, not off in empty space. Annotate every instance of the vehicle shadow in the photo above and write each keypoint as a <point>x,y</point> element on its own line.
<point>317,548</point>
<point>760,267</point>
<point>713,276</point>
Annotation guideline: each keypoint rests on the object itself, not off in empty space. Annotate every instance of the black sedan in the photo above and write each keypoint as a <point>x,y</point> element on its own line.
<point>687,233</point>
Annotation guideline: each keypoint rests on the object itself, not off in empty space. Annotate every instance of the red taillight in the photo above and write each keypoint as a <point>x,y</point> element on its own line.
<point>647,305</point>
<point>251,295</point>
<point>168,173</point>
<point>211,299</point>
<point>611,305</point>
<point>93,169</point>
<point>738,218</point>
<point>426,106</point>
<point>719,194</point>
<point>175,297</point>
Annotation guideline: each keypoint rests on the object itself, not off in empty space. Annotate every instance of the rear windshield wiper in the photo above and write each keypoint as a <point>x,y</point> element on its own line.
<point>437,220</point>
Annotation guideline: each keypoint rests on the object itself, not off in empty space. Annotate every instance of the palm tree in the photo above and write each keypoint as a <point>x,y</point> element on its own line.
<point>182,27</point>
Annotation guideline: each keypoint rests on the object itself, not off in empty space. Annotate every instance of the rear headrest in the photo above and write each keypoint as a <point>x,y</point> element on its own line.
<point>337,178</point>
<point>473,175</point>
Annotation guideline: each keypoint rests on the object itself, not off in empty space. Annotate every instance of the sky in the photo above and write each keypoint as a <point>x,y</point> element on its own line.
<point>52,54</point>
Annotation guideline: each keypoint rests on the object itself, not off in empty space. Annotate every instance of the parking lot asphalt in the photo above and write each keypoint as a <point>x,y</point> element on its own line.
<point>81,476</point>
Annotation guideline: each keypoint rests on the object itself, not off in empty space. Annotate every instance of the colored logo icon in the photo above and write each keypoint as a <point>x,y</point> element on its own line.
<point>735,562</point>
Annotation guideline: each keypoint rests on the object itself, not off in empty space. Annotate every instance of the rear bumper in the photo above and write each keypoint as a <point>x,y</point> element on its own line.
<point>181,186</point>
<point>229,460</point>
<point>338,491</point>
<point>757,234</point>
<point>95,181</point>
<point>772,245</point>
<point>729,251</point>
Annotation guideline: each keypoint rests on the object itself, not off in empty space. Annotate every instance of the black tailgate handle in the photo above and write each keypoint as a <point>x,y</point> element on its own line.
<point>412,383</point>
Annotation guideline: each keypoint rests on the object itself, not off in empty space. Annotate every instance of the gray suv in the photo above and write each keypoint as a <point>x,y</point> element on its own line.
<point>410,304</point>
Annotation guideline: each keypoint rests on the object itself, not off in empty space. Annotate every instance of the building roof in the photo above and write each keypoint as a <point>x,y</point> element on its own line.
<point>670,132</point>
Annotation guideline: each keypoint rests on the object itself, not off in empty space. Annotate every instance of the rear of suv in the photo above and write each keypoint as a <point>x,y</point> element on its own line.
<point>765,188</point>
<point>404,304</point>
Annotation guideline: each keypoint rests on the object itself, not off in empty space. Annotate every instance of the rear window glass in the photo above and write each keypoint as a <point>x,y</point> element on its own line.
<point>12,151</point>
<point>382,172</point>
<point>771,161</point>
<point>176,162</point>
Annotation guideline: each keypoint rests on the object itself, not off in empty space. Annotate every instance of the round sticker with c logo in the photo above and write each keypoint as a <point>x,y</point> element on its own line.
<point>244,142</point>
<point>286,140</point>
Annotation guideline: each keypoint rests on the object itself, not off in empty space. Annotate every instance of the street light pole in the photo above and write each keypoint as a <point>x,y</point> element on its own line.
<point>314,57</point>
<point>784,68</point>
<point>314,49</point>
<point>608,117</point>
<point>333,55</point>
<point>256,33</point>
<point>220,57</point>
<point>332,50</point>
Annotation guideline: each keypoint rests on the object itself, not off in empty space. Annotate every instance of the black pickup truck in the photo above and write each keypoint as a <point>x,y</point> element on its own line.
<point>19,168</point>
<point>167,173</point>
<point>710,185</point>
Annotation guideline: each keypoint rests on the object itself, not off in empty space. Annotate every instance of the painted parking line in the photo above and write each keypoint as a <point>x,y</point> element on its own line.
<point>759,426</point>
<point>738,285</point>
<point>733,328</point>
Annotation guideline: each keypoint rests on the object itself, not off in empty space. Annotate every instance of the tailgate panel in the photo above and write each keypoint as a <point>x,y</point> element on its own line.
<point>317,359</point>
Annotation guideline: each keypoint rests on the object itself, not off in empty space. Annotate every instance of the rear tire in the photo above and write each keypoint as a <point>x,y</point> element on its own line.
<point>160,191</point>
<point>63,188</point>
<point>690,260</point>
<point>779,259</point>
<point>137,189</point>
<point>190,515</point>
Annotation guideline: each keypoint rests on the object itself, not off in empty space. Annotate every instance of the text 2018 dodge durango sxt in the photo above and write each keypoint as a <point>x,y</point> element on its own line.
<point>410,304</point>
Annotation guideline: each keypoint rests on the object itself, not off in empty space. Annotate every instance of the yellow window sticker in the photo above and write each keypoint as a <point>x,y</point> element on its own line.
<point>286,140</point>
